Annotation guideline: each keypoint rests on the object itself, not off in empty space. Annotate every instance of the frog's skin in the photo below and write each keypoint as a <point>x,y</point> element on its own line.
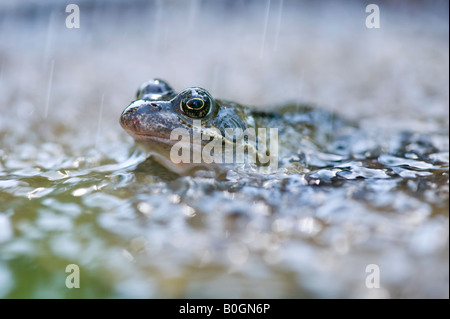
<point>158,110</point>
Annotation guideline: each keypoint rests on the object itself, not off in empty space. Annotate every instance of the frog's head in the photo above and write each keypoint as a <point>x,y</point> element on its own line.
<point>151,118</point>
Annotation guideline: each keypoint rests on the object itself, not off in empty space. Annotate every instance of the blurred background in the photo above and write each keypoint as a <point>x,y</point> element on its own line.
<point>62,91</point>
<point>262,53</point>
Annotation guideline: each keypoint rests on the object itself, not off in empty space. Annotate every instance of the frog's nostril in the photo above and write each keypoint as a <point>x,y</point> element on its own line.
<point>156,106</point>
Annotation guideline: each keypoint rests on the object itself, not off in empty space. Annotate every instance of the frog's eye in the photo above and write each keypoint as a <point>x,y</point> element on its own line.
<point>155,89</point>
<point>196,103</point>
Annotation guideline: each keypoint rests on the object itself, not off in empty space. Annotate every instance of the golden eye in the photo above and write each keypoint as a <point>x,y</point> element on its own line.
<point>195,103</point>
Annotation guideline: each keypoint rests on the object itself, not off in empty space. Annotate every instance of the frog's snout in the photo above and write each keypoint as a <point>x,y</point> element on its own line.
<point>126,119</point>
<point>130,116</point>
<point>137,116</point>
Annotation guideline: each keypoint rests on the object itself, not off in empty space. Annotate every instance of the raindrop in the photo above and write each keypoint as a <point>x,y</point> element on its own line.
<point>266,21</point>
<point>49,37</point>
<point>49,88</point>
<point>97,136</point>
<point>277,33</point>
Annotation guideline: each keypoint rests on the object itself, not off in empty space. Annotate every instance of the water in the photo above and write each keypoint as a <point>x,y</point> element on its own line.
<point>75,190</point>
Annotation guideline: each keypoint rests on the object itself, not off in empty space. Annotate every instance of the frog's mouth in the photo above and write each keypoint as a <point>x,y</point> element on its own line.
<point>147,137</point>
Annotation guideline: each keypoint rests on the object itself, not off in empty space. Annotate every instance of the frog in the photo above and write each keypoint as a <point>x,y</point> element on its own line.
<point>159,110</point>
